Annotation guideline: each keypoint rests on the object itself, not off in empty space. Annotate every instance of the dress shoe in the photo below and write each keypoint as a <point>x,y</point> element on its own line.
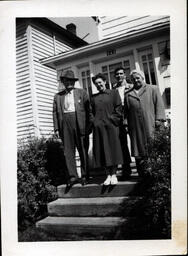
<point>114,180</point>
<point>72,181</point>
<point>107,181</point>
<point>83,181</point>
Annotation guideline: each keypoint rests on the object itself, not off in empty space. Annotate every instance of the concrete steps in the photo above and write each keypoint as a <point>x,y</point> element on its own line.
<point>124,188</point>
<point>93,226</point>
<point>92,211</point>
<point>84,207</point>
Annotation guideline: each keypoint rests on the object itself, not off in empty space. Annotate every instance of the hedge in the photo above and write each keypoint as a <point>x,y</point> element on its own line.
<point>39,170</point>
<point>153,211</point>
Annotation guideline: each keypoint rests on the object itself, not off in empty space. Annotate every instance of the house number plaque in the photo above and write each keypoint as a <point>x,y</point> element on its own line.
<point>111,52</point>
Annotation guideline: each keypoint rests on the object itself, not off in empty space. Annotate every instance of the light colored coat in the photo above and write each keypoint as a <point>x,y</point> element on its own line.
<point>141,111</point>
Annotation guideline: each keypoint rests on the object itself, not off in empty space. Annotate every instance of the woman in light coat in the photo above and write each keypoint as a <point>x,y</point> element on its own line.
<point>144,110</point>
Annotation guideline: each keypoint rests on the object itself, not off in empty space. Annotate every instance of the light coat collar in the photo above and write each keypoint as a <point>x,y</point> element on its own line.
<point>139,94</point>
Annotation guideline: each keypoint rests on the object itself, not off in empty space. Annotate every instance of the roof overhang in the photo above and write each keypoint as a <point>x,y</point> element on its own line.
<point>73,40</point>
<point>130,37</point>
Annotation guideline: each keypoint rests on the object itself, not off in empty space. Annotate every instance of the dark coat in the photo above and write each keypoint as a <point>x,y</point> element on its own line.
<point>107,110</point>
<point>142,110</point>
<point>82,110</point>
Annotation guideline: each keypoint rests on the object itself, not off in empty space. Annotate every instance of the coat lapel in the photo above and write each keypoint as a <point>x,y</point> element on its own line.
<point>61,102</point>
<point>133,94</point>
<point>142,90</point>
<point>76,98</point>
<point>140,93</point>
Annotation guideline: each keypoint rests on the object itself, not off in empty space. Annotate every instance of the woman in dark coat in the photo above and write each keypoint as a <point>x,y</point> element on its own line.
<point>107,151</point>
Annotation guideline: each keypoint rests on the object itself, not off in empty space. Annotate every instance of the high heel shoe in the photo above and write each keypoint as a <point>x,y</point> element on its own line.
<point>83,181</point>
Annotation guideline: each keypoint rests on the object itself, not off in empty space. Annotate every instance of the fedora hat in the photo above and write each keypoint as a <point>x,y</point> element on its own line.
<point>69,74</point>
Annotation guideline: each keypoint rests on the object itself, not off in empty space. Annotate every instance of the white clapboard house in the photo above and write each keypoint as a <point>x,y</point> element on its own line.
<point>132,42</point>
<point>45,49</point>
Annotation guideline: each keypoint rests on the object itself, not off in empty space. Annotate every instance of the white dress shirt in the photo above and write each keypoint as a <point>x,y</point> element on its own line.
<point>122,89</point>
<point>69,102</point>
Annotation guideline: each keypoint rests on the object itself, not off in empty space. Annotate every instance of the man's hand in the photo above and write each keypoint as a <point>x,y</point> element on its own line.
<point>125,125</point>
<point>126,128</point>
<point>57,134</point>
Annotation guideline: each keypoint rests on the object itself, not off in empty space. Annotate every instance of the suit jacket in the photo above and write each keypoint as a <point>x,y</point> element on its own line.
<point>126,87</point>
<point>82,110</point>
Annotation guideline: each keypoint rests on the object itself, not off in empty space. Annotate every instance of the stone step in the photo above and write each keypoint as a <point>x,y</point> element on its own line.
<point>99,179</point>
<point>99,171</point>
<point>80,207</point>
<point>124,188</point>
<point>88,226</point>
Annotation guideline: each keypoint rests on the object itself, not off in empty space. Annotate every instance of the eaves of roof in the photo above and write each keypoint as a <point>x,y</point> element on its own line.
<point>74,40</point>
<point>105,44</point>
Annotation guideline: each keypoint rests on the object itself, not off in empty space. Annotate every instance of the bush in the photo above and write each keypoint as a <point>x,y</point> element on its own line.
<point>56,165</point>
<point>153,220</point>
<point>35,165</point>
<point>157,207</point>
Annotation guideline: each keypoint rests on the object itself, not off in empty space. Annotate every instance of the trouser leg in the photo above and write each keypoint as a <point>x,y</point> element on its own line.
<point>110,170</point>
<point>140,165</point>
<point>86,147</point>
<point>125,150</point>
<point>69,144</point>
<point>80,143</point>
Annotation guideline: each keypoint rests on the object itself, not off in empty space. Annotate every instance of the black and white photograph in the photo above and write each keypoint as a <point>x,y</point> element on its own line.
<point>93,120</point>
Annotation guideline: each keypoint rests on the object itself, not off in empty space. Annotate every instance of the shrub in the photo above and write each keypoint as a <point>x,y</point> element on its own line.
<point>153,212</point>
<point>35,188</point>
<point>157,207</point>
<point>56,165</point>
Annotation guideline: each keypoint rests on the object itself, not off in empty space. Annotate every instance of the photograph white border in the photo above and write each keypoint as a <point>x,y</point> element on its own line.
<point>9,10</point>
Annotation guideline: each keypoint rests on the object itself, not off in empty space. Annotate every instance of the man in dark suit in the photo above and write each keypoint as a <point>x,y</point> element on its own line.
<point>122,86</point>
<point>72,118</point>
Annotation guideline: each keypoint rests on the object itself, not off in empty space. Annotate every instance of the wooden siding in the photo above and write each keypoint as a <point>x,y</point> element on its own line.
<point>113,26</point>
<point>60,45</point>
<point>45,44</point>
<point>25,126</point>
<point>45,78</point>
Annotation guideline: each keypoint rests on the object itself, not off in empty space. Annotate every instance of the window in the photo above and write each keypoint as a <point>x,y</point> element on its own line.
<point>108,70</point>
<point>148,66</point>
<point>86,81</point>
<point>164,51</point>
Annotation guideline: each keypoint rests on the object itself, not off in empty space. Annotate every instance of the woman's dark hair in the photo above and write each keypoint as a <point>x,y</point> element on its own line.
<point>99,75</point>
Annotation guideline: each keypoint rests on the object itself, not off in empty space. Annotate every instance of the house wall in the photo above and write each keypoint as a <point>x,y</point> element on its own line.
<point>44,43</point>
<point>25,122</point>
<point>92,63</point>
<point>114,25</point>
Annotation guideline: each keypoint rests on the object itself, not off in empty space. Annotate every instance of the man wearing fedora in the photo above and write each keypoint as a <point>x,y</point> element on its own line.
<point>72,118</point>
